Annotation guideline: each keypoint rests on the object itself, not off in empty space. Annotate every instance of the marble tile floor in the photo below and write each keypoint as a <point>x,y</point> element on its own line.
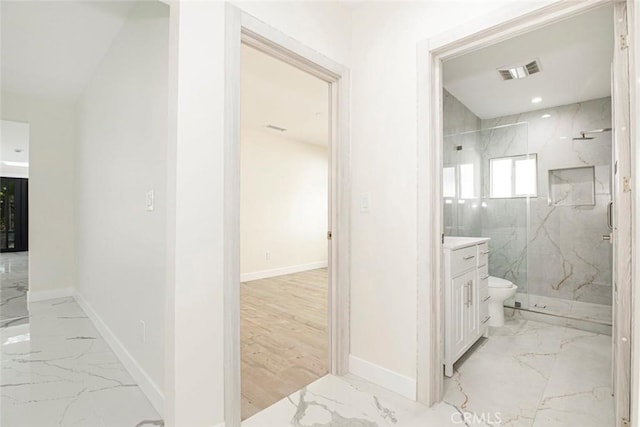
<point>541,375</point>
<point>14,284</point>
<point>56,370</point>
<point>527,374</point>
<point>348,401</point>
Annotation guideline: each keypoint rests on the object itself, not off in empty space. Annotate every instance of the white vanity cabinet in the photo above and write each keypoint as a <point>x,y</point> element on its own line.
<point>466,295</point>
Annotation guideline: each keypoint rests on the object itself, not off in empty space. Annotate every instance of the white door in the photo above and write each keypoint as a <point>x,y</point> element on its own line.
<point>621,213</point>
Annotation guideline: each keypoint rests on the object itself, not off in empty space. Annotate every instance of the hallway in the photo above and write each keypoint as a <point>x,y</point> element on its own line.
<point>57,370</point>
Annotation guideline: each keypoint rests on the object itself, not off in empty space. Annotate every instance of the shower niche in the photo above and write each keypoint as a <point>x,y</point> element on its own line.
<point>572,186</point>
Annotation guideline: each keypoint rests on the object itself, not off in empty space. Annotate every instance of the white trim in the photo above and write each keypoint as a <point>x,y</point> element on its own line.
<point>243,28</point>
<point>35,296</point>
<point>139,375</point>
<point>274,272</point>
<point>383,377</point>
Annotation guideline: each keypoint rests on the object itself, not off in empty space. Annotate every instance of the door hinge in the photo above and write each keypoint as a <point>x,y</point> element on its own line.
<point>329,235</point>
<point>626,186</point>
<point>623,42</point>
<point>625,422</point>
<point>443,238</point>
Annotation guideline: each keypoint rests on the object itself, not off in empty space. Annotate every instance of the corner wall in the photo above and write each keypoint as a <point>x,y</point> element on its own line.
<point>384,270</point>
<point>52,263</point>
<point>121,131</point>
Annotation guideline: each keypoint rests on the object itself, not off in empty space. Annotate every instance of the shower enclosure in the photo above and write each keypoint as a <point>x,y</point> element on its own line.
<point>542,199</point>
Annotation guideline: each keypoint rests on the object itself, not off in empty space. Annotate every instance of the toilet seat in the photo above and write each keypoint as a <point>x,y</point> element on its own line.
<point>497,282</point>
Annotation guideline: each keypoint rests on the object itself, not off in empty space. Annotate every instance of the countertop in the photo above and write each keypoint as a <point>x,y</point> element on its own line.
<point>451,242</point>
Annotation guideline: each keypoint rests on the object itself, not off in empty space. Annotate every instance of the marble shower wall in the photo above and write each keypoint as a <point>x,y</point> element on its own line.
<point>505,221</point>
<point>564,256</point>
<point>461,145</point>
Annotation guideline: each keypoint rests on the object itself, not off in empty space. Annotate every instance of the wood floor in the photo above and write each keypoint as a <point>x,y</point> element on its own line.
<point>284,341</point>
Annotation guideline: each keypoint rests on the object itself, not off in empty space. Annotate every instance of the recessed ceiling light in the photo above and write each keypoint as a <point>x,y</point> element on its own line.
<point>536,100</point>
<point>564,137</point>
<point>546,116</point>
<point>17,164</point>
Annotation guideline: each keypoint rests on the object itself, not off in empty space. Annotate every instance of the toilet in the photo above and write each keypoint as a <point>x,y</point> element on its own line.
<point>499,291</point>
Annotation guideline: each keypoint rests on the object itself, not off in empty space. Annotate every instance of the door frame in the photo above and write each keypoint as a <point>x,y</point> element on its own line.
<point>242,28</point>
<point>507,23</point>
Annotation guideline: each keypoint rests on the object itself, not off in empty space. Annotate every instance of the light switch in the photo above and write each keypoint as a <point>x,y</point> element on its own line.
<point>151,195</point>
<point>365,202</point>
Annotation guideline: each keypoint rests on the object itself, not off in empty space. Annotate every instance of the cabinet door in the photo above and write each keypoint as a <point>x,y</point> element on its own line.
<point>459,308</point>
<point>472,313</point>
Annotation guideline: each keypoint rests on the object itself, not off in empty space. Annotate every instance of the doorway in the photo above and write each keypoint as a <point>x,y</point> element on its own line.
<point>449,48</point>
<point>284,213</point>
<point>14,222</point>
<point>246,30</point>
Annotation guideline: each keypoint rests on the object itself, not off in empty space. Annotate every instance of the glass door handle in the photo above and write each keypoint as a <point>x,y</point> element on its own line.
<point>610,215</point>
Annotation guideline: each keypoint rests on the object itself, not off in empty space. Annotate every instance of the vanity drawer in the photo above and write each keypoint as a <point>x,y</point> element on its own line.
<point>484,314</point>
<point>483,254</point>
<point>463,259</point>
<point>483,284</point>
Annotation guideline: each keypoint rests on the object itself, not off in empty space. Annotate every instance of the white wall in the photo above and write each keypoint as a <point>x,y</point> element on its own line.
<point>196,396</point>
<point>283,205</point>
<point>121,154</point>
<point>51,218</point>
<point>384,241</point>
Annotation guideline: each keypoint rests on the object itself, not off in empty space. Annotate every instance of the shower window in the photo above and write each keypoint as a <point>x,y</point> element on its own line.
<point>465,175</point>
<point>513,176</point>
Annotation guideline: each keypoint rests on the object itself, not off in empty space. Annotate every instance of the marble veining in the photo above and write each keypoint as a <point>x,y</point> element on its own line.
<point>541,375</point>
<point>56,369</point>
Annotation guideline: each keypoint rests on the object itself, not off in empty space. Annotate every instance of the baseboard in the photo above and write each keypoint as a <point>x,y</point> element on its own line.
<point>383,377</point>
<point>35,296</point>
<point>265,274</point>
<point>146,384</point>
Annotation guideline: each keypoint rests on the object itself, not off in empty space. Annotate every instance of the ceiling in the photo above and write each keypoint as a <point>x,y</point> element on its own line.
<point>278,94</point>
<point>51,49</point>
<point>575,57</point>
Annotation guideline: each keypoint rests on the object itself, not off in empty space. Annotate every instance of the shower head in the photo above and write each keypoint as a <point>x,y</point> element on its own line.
<point>583,134</point>
<point>582,137</point>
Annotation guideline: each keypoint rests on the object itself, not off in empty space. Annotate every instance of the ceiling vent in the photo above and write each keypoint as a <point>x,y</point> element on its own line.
<point>279,129</point>
<point>520,71</point>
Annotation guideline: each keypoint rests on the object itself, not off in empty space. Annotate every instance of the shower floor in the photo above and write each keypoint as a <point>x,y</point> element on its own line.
<point>577,310</point>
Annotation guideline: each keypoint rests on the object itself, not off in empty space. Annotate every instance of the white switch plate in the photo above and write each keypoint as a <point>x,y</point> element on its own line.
<point>151,196</point>
<point>365,202</point>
